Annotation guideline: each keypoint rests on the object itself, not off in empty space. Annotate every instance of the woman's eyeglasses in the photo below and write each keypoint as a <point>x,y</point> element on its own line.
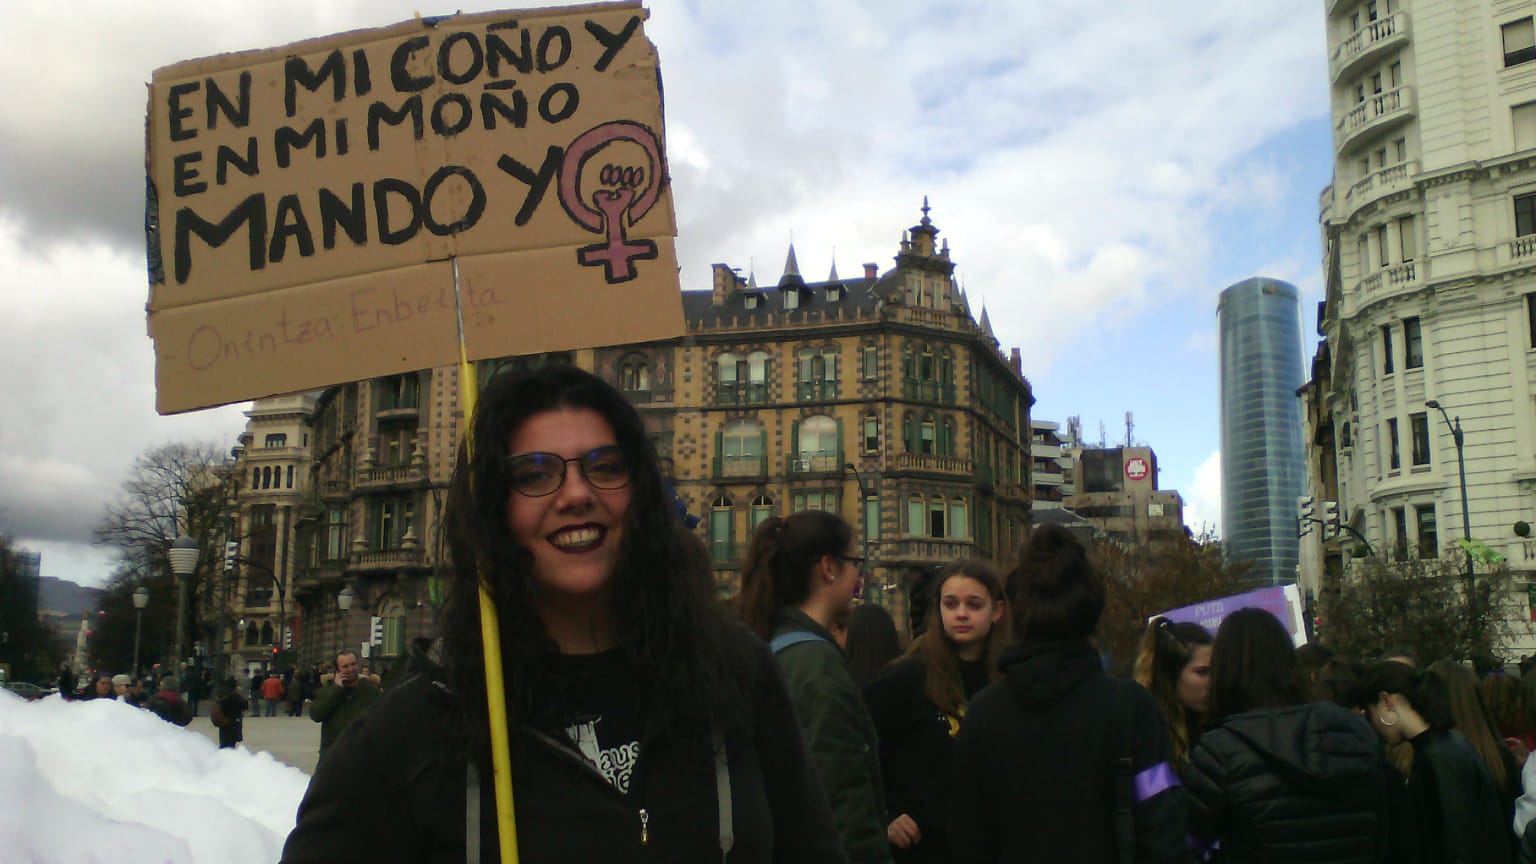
<point>538,474</point>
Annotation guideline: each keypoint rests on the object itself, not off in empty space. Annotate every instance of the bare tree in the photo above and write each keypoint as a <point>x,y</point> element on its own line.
<point>173,489</point>
<point>1425,605</point>
<point>1143,579</point>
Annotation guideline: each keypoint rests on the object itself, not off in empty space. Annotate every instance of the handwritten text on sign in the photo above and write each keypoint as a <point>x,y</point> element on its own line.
<point>491,136</point>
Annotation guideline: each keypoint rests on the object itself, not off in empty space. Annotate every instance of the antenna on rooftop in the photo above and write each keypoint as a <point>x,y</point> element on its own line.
<point>1130,424</point>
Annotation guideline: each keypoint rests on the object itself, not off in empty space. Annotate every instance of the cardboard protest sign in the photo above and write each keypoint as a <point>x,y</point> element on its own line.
<point>1283,602</point>
<point>308,204</point>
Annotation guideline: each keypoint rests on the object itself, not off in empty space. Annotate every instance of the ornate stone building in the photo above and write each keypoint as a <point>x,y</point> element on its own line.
<point>880,397</point>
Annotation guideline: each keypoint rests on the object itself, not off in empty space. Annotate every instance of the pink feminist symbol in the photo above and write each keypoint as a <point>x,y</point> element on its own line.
<point>630,192</point>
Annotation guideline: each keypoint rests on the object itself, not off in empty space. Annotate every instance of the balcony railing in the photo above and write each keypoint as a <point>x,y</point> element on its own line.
<point>1376,113</point>
<point>389,476</point>
<point>931,462</point>
<point>922,316</point>
<point>928,391</point>
<point>1380,183</point>
<point>814,391</point>
<point>1520,247</point>
<point>926,550</point>
<point>741,466</point>
<point>386,559</point>
<point>741,393</point>
<point>1389,281</point>
<point>1369,41</point>
<point>816,463</point>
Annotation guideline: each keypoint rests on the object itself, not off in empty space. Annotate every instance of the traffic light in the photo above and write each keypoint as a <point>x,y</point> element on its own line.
<point>1330,518</point>
<point>231,554</point>
<point>376,631</point>
<point>1306,510</point>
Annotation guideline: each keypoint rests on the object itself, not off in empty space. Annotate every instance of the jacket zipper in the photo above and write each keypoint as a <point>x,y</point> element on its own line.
<point>645,829</point>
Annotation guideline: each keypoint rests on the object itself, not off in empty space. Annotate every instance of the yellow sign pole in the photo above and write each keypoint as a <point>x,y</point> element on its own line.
<point>490,628</point>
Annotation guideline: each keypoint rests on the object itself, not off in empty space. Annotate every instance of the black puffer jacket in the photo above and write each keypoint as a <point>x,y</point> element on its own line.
<point>1302,783</point>
<point>1034,772</point>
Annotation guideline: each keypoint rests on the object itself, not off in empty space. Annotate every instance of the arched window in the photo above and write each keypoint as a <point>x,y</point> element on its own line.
<point>266,477</point>
<point>928,435</point>
<point>757,376</point>
<point>635,375</point>
<point>762,508</point>
<point>255,478</point>
<point>817,447</point>
<point>909,433</point>
<point>392,616</point>
<point>729,371</point>
<point>266,633</point>
<point>741,449</point>
<point>252,635</point>
<point>946,440</point>
<point>290,476</point>
<point>722,530</point>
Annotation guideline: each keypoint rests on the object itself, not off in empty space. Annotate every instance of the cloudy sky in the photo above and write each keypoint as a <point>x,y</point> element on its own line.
<point>1101,171</point>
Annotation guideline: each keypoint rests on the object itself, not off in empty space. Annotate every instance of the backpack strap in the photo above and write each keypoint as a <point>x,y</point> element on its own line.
<point>723,797</point>
<point>792,637</point>
<point>1123,819</point>
<point>471,813</point>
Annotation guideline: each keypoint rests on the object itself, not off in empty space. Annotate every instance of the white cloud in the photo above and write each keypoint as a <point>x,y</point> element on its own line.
<point>1077,158</point>
<point>1202,503</point>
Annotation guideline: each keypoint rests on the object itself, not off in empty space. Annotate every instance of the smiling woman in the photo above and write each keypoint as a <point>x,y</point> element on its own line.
<point>634,704</point>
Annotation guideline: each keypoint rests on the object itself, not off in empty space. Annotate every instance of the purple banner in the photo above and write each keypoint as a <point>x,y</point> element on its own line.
<point>1283,602</point>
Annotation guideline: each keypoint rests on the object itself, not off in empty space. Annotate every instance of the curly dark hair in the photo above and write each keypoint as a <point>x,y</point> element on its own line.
<point>662,593</point>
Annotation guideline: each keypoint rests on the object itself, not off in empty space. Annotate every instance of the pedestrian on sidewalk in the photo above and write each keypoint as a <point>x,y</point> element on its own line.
<point>227,713</point>
<point>342,699</point>
<point>272,691</point>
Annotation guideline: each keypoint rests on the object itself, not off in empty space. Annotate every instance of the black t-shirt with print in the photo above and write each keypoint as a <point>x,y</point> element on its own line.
<point>603,710</point>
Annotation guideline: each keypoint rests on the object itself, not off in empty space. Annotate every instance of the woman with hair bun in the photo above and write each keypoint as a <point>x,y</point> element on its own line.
<point>919,704</point>
<point>1058,761</point>
<point>1455,806</point>
<point>1275,777</point>
<point>800,578</point>
<point>1174,663</point>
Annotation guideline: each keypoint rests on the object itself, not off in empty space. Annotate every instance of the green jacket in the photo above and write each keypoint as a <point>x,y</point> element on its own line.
<point>840,734</point>
<point>335,706</point>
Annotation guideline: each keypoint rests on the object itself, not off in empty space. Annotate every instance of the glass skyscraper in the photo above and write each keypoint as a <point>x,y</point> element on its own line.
<point>1261,453</point>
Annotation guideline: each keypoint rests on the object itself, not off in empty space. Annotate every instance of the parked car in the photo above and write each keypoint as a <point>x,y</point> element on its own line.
<point>27,690</point>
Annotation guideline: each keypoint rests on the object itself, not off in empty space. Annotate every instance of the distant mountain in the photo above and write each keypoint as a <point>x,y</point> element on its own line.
<point>65,597</point>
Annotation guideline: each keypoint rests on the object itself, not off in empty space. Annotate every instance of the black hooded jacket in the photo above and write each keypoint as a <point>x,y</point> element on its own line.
<point>1300,783</point>
<point>1034,765</point>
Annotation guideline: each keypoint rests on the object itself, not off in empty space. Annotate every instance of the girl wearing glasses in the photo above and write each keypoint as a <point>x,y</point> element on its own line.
<point>643,722</point>
<point>800,577</point>
<point>918,704</point>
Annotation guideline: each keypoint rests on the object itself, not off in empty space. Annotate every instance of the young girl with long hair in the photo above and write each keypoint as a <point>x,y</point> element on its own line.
<point>1275,777</point>
<point>800,577</point>
<point>919,702</point>
<point>1174,663</point>
<point>1470,718</point>
<point>1456,810</point>
<point>643,722</point>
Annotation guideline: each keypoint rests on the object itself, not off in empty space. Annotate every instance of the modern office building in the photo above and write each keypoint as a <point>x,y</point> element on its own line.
<point>1115,490</point>
<point>881,397</point>
<point>1259,331</point>
<point>1429,232</point>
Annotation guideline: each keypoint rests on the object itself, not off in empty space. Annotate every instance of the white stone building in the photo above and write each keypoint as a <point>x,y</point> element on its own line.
<point>1430,267</point>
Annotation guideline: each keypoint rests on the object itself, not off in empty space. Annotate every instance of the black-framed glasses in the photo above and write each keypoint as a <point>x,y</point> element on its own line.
<point>538,474</point>
<point>855,560</point>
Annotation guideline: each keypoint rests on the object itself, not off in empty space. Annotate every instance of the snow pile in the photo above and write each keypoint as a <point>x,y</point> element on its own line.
<point>101,781</point>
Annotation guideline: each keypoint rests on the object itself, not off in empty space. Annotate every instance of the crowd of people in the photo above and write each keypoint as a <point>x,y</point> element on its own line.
<point>796,724</point>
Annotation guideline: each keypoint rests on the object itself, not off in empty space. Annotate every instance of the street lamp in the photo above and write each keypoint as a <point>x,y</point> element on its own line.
<point>1461,470</point>
<point>140,600</point>
<point>184,554</point>
<point>344,603</point>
